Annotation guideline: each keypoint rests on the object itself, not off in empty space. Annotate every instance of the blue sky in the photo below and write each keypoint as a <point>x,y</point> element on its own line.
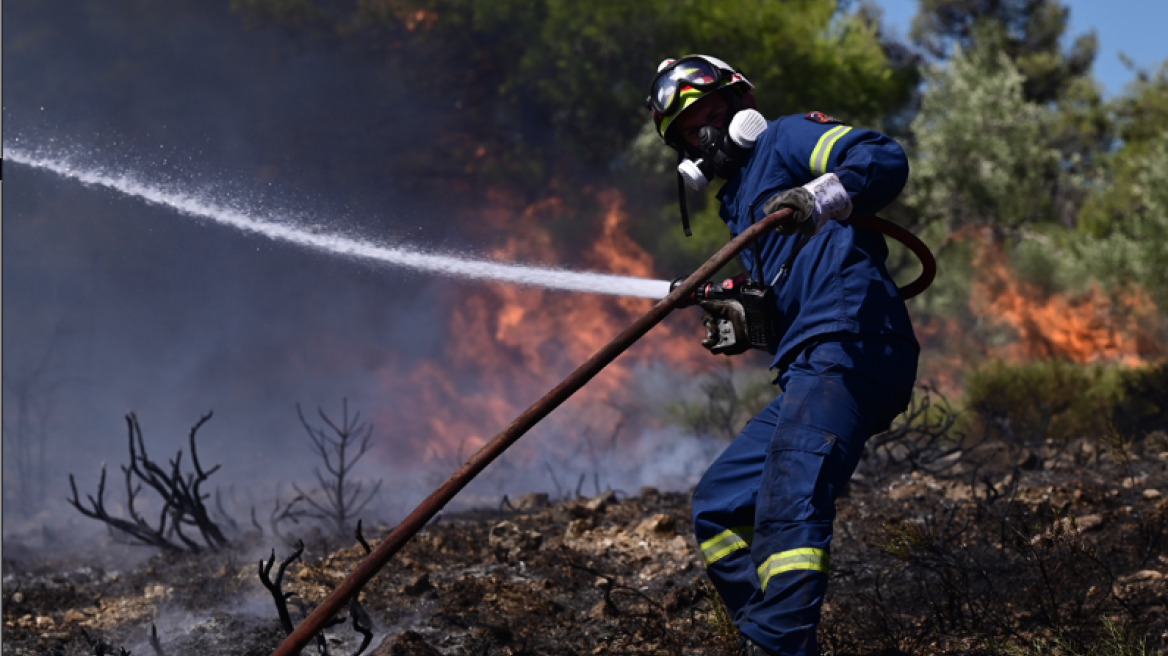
<point>1133,27</point>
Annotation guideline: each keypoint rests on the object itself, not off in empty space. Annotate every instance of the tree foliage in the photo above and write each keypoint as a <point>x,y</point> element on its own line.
<point>559,86</point>
<point>980,154</point>
<point>1070,186</point>
<point>1132,215</point>
<point>1121,233</point>
<point>1029,32</point>
<point>547,97</point>
<point>1140,119</point>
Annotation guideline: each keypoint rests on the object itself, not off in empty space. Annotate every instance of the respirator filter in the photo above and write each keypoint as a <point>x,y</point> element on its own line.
<point>722,152</point>
<point>746,127</point>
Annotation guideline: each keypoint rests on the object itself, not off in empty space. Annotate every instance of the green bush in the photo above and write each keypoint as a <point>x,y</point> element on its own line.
<point>1027,403</point>
<point>1144,406</point>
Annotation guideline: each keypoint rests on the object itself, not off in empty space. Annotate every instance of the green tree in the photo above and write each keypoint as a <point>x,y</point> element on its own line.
<point>980,155</point>
<point>1072,205</point>
<point>980,161</point>
<point>1029,32</point>
<point>556,85</point>
<point>1040,137</point>
<point>548,96</point>
<point>1124,223</point>
<point>1120,238</point>
<point>1055,83</point>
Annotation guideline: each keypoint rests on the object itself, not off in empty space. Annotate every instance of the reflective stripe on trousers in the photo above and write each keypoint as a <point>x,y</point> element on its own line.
<point>726,542</point>
<point>806,558</point>
<point>763,512</point>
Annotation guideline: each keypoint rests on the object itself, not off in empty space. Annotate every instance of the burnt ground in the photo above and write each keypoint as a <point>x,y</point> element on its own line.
<point>1028,552</point>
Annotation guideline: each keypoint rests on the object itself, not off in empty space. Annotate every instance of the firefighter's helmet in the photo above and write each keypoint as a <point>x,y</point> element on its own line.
<point>680,83</point>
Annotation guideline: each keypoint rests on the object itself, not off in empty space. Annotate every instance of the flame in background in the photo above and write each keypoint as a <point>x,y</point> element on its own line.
<point>508,345</point>
<point>942,358</point>
<point>1088,327</point>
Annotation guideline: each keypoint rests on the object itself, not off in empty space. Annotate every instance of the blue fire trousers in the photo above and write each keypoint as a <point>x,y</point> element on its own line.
<point>763,512</point>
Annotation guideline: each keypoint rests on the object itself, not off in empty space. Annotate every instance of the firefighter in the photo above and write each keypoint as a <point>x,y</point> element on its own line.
<point>845,357</point>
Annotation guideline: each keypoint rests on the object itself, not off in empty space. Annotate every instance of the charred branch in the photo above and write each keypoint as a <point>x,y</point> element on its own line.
<point>137,528</point>
<point>155,643</point>
<point>361,538</point>
<point>612,584</point>
<point>290,512</point>
<point>225,517</point>
<point>339,447</point>
<point>182,508</point>
<point>273,585</point>
<point>362,622</point>
<point>921,438</point>
<point>101,647</point>
<point>255,522</point>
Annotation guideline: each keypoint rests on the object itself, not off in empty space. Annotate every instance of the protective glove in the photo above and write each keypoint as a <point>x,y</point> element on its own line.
<point>802,205</point>
<point>813,205</point>
<point>725,324</point>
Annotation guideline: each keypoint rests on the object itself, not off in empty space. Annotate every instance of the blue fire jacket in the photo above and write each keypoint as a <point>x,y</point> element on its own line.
<point>837,281</point>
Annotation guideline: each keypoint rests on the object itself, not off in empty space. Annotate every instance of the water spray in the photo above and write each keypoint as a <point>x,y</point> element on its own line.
<point>200,207</point>
<point>672,296</point>
<point>420,516</point>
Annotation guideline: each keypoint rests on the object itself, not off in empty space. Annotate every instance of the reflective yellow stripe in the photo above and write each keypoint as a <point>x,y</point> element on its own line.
<point>726,542</point>
<point>806,558</point>
<point>823,148</point>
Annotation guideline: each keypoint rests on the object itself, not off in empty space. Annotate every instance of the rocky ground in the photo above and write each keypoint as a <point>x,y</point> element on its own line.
<point>1038,551</point>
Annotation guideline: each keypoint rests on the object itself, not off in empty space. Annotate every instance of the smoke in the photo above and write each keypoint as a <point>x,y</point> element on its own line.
<point>114,305</point>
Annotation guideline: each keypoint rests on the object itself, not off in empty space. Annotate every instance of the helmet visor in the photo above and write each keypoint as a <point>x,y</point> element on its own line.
<point>694,72</point>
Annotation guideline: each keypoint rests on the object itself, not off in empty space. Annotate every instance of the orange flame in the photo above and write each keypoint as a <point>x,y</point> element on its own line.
<point>1087,327</point>
<point>510,344</point>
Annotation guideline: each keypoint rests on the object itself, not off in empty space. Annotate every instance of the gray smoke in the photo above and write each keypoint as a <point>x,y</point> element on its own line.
<point>112,305</point>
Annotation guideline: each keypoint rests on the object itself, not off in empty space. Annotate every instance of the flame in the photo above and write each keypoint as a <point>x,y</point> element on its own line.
<point>942,354</point>
<point>1091,326</point>
<point>412,19</point>
<point>421,18</point>
<point>509,344</point>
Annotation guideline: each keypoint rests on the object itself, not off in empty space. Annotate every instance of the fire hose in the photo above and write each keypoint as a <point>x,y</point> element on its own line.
<point>913,243</point>
<point>425,511</point>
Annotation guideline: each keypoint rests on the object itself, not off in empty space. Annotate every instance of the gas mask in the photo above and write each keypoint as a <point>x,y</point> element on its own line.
<point>723,149</point>
<point>721,152</point>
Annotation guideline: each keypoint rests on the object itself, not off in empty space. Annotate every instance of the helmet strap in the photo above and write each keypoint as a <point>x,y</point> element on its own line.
<point>681,198</point>
<point>734,98</point>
